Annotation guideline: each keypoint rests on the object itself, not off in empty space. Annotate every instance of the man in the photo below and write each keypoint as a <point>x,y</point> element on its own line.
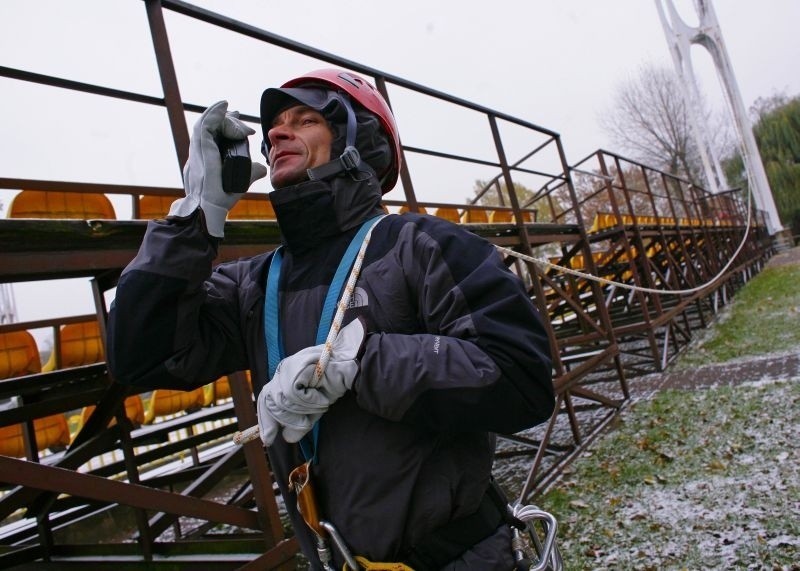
<point>441,346</point>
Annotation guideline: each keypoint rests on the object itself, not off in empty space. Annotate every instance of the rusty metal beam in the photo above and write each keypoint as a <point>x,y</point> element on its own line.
<point>60,480</point>
<point>260,475</point>
<point>169,80</point>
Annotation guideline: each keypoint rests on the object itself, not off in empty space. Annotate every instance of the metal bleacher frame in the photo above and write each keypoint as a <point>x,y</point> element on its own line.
<point>605,215</point>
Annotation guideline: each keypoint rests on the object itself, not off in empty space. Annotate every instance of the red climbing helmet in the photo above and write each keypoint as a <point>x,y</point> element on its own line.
<point>368,97</point>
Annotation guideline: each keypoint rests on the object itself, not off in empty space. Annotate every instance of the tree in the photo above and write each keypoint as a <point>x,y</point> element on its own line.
<point>776,126</point>
<point>495,193</point>
<point>649,121</point>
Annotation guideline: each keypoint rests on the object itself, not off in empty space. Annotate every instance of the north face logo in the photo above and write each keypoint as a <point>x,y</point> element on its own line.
<point>359,298</point>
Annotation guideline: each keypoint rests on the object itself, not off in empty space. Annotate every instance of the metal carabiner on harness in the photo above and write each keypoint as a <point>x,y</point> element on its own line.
<point>340,545</point>
<point>547,555</point>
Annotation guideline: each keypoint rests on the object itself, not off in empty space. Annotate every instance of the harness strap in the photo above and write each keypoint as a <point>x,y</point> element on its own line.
<point>272,326</point>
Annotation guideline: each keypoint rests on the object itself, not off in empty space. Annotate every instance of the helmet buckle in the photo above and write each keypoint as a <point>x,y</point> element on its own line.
<point>350,158</point>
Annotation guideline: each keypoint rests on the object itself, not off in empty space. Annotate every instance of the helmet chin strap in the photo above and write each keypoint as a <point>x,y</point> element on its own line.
<point>350,158</point>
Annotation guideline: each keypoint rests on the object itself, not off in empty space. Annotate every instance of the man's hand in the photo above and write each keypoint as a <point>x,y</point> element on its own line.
<point>290,401</point>
<point>202,175</point>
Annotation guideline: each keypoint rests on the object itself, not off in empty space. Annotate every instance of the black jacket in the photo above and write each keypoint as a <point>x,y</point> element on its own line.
<point>455,352</point>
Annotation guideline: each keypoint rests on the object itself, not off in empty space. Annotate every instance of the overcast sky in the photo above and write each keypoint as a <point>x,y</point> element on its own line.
<point>555,63</point>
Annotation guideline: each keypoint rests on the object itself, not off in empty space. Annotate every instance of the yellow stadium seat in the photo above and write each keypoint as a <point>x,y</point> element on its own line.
<point>151,207</point>
<point>605,220</point>
<point>476,216</point>
<point>58,204</point>
<point>81,344</point>
<point>164,402</point>
<point>450,214</point>
<point>19,354</point>
<point>260,209</point>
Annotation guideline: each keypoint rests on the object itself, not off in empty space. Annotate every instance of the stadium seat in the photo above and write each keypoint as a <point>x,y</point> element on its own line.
<point>450,214</point>
<point>19,356</point>
<point>51,432</point>
<point>476,216</point>
<point>81,344</point>
<point>501,216</point>
<point>166,402</point>
<point>222,388</point>
<point>152,207</point>
<point>404,208</point>
<point>603,221</point>
<point>260,209</point>
<point>58,204</point>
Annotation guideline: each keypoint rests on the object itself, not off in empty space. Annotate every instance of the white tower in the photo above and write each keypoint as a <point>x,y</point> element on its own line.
<point>680,36</point>
<point>8,305</point>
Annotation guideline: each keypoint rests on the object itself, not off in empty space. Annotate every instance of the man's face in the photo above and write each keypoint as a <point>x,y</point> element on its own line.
<point>299,139</point>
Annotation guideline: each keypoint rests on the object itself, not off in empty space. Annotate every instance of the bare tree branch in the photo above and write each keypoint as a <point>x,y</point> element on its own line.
<point>650,122</point>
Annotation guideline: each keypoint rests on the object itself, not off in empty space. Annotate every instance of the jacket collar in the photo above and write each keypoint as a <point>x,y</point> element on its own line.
<point>314,211</point>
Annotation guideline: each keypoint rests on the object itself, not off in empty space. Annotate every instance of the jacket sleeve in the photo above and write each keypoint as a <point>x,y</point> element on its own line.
<point>483,359</point>
<point>173,324</point>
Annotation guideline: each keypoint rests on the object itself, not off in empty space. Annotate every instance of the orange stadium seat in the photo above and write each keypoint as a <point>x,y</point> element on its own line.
<point>260,209</point>
<point>58,204</point>
<point>19,356</point>
<point>404,208</point>
<point>152,207</point>
<point>501,216</point>
<point>222,388</point>
<point>165,402</point>
<point>51,432</point>
<point>81,344</point>
<point>450,214</point>
<point>476,216</point>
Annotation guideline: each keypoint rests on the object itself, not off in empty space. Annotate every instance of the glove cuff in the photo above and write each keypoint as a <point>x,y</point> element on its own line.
<point>215,218</point>
<point>183,207</point>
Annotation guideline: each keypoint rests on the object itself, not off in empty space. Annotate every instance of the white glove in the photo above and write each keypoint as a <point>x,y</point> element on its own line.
<point>290,402</point>
<point>202,174</point>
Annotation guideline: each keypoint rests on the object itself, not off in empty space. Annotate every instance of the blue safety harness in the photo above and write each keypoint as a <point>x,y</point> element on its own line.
<point>272,327</point>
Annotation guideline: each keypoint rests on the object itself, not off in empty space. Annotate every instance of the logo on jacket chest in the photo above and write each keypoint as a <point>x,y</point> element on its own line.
<point>359,298</point>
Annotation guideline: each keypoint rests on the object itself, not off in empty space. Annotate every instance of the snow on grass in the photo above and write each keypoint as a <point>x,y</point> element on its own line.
<point>704,479</point>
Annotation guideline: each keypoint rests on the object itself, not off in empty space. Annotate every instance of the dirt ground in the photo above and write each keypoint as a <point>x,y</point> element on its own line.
<point>791,256</point>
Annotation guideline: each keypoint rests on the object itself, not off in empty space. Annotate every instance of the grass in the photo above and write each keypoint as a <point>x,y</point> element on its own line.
<point>703,479</point>
<point>763,318</point>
